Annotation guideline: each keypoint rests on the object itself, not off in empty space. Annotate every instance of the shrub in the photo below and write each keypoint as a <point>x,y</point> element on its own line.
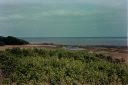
<point>10,40</point>
<point>2,43</point>
<point>60,67</point>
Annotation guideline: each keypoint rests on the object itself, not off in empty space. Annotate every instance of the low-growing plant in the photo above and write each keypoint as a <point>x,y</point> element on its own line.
<point>60,67</point>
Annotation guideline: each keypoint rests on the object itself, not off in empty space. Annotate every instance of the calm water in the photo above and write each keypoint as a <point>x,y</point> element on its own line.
<point>80,40</point>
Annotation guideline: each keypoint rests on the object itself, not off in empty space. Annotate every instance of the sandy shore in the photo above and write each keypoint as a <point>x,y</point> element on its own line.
<point>115,52</point>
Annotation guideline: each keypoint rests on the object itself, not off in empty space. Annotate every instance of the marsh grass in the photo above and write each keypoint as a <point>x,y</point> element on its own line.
<point>60,67</point>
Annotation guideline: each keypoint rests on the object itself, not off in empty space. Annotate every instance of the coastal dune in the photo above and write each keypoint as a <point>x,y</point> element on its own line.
<point>116,53</point>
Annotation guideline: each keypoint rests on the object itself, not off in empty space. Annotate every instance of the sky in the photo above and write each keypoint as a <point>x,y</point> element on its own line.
<point>63,18</point>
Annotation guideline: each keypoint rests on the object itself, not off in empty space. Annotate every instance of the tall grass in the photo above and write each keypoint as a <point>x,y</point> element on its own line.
<point>60,67</point>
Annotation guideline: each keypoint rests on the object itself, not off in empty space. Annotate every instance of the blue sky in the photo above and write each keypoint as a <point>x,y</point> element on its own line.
<point>63,18</point>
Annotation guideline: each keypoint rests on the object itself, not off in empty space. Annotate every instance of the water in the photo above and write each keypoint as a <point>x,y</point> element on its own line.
<point>109,41</point>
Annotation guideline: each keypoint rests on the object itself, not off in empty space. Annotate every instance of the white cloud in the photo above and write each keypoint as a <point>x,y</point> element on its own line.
<point>108,3</point>
<point>37,16</point>
<point>63,13</point>
<point>16,16</point>
<point>69,12</point>
<point>10,17</point>
<point>3,18</point>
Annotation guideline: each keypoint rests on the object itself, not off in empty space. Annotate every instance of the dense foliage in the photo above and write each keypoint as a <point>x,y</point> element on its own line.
<point>12,41</point>
<point>60,67</point>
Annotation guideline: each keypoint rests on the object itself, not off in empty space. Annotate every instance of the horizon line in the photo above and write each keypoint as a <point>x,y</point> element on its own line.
<point>75,37</point>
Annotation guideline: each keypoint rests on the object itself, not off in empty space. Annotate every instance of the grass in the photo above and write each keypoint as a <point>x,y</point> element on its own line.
<point>60,67</point>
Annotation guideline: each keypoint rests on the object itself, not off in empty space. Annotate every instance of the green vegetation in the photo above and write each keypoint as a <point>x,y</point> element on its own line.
<point>12,41</point>
<point>60,67</point>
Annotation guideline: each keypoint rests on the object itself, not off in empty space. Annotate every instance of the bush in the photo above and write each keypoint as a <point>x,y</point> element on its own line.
<point>10,40</point>
<point>60,67</point>
<point>8,64</point>
<point>2,43</point>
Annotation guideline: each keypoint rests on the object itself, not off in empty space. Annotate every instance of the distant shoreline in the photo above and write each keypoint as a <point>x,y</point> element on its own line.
<point>62,45</point>
<point>82,46</point>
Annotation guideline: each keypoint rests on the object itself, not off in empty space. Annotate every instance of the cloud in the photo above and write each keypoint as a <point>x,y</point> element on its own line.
<point>62,12</point>
<point>3,18</point>
<point>16,16</point>
<point>11,17</point>
<point>48,13</point>
<point>108,3</point>
<point>85,16</point>
<point>55,13</point>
